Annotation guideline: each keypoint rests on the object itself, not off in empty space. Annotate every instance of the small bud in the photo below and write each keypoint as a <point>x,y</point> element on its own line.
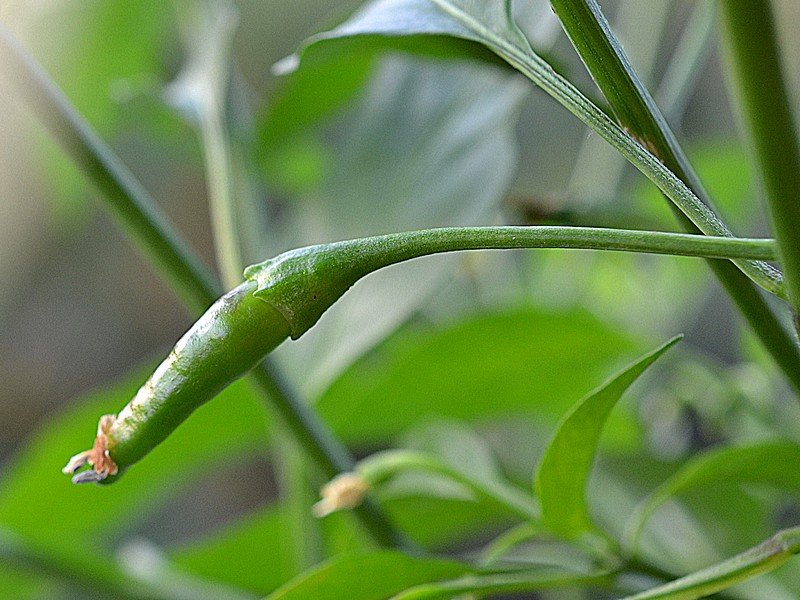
<point>343,491</point>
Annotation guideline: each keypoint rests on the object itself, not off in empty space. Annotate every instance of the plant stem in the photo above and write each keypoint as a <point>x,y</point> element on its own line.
<point>379,467</point>
<point>203,88</point>
<point>394,247</point>
<point>157,238</point>
<point>634,107</point>
<point>303,283</point>
<point>761,559</point>
<point>504,583</point>
<point>765,107</point>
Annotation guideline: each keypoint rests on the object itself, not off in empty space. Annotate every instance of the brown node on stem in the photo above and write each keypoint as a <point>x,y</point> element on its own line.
<point>646,144</point>
<point>97,458</point>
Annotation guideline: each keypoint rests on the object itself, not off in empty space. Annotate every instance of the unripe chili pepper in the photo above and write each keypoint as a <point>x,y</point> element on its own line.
<point>228,339</point>
<point>285,296</point>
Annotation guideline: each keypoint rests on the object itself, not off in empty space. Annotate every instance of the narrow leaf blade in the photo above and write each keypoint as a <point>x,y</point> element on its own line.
<point>564,469</point>
<point>771,463</point>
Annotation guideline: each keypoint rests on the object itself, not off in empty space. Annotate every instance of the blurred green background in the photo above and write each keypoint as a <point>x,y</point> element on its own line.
<point>354,145</point>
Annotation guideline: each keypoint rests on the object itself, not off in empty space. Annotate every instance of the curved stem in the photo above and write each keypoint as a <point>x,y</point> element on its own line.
<point>508,540</point>
<point>379,467</point>
<point>396,247</point>
<point>302,284</point>
<point>761,559</point>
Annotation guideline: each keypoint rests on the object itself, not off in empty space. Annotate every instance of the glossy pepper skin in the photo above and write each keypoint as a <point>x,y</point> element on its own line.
<point>286,295</point>
<point>235,333</point>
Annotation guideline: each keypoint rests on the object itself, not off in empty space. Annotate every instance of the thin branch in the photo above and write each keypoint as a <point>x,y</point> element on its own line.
<point>635,109</point>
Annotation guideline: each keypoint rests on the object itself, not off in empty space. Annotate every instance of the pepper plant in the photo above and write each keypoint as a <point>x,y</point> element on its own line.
<point>431,511</point>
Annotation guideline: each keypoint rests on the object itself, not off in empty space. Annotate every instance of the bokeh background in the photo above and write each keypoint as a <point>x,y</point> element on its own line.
<point>81,310</point>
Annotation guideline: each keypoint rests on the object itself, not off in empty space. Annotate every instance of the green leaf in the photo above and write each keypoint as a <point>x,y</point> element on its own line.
<point>527,362</point>
<point>374,576</point>
<point>438,523</point>
<point>416,26</point>
<point>39,501</point>
<point>771,463</point>
<point>761,559</point>
<point>428,144</point>
<point>564,469</point>
<point>253,554</point>
<point>458,447</point>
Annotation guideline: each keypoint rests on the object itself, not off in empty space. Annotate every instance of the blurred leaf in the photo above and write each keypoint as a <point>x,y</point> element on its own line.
<point>374,576</point>
<point>519,362</point>
<point>562,475</point>
<point>21,586</point>
<point>429,144</point>
<point>458,447</point>
<point>771,463</point>
<point>88,63</point>
<point>332,67</point>
<point>446,460</point>
<point>254,554</point>
<point>439,523</point>
<point>40,502</point>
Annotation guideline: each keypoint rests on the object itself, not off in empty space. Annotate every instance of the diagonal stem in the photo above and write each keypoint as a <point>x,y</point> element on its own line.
<point>758,83</point>
<point>635,109</point>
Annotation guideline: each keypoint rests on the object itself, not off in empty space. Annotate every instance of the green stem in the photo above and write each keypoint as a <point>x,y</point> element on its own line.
<point>379,467</point>
<point>218,170</point>
<point>204,83</point>
<point>508,540</point>
<point>395,247</point>
<point>157,238</point>
<point>764,558</point>
<point>303,283</point>
<point>757,77</point>
<point>504,583</point>
<point>124,196</point>
<point>609,66</point>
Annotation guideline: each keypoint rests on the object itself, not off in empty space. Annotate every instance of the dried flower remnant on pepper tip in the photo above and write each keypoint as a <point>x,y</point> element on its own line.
<point>342,492</point>
<point>97,458</point>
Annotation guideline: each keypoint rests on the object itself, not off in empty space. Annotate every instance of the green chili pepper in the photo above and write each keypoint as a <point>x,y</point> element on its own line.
<point>228,339</point>
<point>286,295</point>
